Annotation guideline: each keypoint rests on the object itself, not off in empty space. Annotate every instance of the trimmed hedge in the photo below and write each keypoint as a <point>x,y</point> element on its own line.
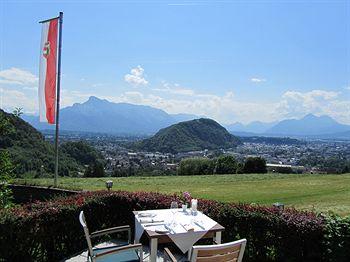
<point>50,231</point>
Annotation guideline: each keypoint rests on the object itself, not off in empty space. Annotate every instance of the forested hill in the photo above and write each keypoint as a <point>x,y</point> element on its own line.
<point>30,153</point>
<point>198,134</point>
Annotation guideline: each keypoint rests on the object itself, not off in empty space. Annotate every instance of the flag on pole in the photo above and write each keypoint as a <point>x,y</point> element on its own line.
<point>48,71</point>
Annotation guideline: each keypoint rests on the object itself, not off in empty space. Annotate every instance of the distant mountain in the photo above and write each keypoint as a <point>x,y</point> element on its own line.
<point>310,125</point>
<point>198,134</point>
<point>253,127</point>
<point>102,116</point>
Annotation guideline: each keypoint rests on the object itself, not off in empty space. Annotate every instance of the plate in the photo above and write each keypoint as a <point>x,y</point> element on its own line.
<point>161,229</point>
<point>146,214</point>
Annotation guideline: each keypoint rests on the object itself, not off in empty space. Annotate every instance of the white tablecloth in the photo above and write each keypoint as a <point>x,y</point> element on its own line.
<point>179,235</point>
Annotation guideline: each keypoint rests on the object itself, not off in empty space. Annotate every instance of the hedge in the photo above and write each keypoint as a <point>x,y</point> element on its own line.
<point>50,231</point>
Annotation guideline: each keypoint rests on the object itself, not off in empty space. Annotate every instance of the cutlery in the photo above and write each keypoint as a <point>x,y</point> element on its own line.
<point>153,224</point>
<point>202,227</point>
<point>170,230</point>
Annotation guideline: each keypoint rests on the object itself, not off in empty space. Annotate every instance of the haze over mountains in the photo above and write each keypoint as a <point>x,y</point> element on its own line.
<point>102,116</point>
<point>308,126</point>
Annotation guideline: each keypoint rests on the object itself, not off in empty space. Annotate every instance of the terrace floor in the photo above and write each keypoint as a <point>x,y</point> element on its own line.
<point>82,257</point>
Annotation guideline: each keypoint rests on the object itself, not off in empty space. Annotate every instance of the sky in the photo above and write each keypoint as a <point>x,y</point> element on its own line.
<point>228,60</point>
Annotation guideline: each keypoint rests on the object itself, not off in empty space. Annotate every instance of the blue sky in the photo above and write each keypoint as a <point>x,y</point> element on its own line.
<point>229,60</point>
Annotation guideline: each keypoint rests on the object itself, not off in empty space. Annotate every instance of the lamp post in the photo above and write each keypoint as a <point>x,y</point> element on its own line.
<point>109,184</point>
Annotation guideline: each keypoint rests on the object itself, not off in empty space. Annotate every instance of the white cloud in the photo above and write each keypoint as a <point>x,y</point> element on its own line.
<point>257,80</point>
<point>347,88</point>
<point>9,99</point>
<point>18,76</point>
<point>31,88</point>
<point>228,109</point>
<point>174,98</point>
<point>136,76</point>
<point>319,102</point>
<point>175,89</point>
<point>97,85</point>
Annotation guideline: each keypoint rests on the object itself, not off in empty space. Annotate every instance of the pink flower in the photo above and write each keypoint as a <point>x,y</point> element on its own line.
<point>187,196</point>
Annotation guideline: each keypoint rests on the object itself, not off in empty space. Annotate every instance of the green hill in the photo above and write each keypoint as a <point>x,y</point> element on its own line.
<point>198,134</point>
<point>30,153</point>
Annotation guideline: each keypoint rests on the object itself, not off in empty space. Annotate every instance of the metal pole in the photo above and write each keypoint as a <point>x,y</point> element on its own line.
<point>60,20</point>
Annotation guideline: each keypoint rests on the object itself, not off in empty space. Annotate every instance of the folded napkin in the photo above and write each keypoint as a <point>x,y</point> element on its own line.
<point>150,220</point>
<point>188,227</point>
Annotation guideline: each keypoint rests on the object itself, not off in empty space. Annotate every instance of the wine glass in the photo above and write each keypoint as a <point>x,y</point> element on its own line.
<point>173,207</point>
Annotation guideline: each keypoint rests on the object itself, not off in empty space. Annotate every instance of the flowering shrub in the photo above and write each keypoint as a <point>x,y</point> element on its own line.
<point>50,231</point>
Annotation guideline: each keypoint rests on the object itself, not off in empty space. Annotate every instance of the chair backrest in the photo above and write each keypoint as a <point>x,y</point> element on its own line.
<point>232,251</point>
<point>86,232</point>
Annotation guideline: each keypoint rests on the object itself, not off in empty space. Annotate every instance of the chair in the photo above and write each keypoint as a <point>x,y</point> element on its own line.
<point>232,251</point>
<point>125,253</point>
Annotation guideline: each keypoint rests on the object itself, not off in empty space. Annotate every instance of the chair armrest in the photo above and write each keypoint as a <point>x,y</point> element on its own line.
<point>110,231</point>
<point>119,249</point>
<point>168,255</point>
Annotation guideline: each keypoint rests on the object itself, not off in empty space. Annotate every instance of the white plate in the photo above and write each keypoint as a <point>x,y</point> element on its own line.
<point>146,214</point>
<point>161,229</point>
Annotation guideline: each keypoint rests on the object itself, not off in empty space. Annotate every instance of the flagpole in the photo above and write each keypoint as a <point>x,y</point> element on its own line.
<point>60,21</point>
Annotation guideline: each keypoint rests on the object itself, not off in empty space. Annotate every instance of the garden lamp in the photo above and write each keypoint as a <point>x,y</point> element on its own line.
<point>109,184</point>
<point>279,206</point>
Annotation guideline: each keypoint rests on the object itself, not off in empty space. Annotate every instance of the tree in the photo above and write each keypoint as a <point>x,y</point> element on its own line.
<point>82,152</point>
<point>18,111</point>
<point>6,167</point>
<point>255,165</point>
<point>95,169</point>
<point>226,165</point>
<point>196,166</point>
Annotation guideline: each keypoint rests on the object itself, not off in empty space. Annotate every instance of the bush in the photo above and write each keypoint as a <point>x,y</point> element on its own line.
<point>95,169</point>
<point>255,165</point>
<point>196,166</point>
<point>50,231</point>
<point>226,165</point>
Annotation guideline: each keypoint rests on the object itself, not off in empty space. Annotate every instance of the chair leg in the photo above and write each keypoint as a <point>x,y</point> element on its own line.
<point>141,254</point>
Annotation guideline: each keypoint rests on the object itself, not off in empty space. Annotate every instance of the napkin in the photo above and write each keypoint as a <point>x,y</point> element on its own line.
<point>187,227</point>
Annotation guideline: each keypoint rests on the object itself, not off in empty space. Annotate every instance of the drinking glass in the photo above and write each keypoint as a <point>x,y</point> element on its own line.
<point>173,207</point>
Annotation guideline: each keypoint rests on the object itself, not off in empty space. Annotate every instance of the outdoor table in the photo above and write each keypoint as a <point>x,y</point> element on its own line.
<point>185,232</point>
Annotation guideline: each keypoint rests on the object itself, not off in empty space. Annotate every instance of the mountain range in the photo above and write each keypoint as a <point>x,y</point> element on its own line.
<point>101,116</point>
<point>308,126</point>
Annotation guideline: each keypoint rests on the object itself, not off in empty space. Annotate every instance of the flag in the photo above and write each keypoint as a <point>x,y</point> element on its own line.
<point>47,71</point>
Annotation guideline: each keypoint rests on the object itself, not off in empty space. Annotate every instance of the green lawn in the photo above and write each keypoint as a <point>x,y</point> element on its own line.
<point>311,192</point>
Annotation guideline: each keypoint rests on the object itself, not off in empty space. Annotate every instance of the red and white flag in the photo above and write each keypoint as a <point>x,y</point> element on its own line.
<point>47,71</point>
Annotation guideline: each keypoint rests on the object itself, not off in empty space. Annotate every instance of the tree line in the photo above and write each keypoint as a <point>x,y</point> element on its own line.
<point>225,164</point>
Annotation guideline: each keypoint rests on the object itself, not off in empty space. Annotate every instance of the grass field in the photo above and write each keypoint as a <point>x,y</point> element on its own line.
<point>307,192</point>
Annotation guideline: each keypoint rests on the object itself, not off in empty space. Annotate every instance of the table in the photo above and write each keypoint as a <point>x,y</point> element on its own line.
<point>211,229</point>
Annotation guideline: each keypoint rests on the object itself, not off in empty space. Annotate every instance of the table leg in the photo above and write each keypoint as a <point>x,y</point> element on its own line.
<point>153,250</point>
<point>218,237</point>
